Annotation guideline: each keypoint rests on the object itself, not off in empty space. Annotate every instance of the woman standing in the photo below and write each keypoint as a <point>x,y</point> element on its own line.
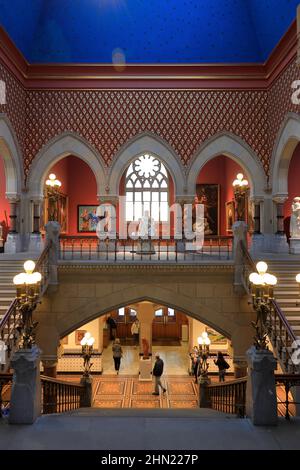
<point>222,366</point>
<point>117,354</point>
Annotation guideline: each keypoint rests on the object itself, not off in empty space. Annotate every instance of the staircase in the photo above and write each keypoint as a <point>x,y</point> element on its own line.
<point>8,269</point>
<point>286,292</point>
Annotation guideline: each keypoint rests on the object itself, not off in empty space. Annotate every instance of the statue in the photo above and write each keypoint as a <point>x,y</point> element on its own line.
<point>146,226</point>
<point>145,345</point>
<point>295,218</point>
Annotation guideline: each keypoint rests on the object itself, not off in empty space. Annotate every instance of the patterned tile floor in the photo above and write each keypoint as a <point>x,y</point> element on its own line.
<point>129,392</point>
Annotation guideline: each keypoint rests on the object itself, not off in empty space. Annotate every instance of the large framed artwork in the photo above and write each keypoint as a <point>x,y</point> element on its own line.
<point>209,196</point>
<point>86,218</point>
<point>230,215</point>
<point>61,210</point>
<point>215,337</point>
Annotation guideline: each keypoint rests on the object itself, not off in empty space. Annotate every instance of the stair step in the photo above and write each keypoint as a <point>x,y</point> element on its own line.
<point>292,318</point>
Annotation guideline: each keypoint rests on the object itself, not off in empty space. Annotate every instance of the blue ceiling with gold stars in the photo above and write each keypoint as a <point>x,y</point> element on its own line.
<point>146,31</point>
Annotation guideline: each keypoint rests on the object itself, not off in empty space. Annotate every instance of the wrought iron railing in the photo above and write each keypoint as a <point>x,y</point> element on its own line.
<point>228,397</point>
<point>281,335</point>
<point>59,396</point>
<point>10,323</point>
<point>287,381</point>
<point>140,250</point>
<point>5,383</point>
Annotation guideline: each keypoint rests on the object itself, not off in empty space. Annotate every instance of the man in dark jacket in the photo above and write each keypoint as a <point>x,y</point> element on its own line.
<point>157,373</point>
<point>112,327</point>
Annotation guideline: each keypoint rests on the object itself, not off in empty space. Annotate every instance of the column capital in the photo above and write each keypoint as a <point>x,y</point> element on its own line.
<point>185,199</point>
<point>106,198</point>
<point>12,197</point>
<point>280,198</point>
<point>257,199</point>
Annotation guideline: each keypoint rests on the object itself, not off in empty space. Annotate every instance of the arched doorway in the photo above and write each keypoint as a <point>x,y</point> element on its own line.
<point>293,187</point>
<point>129,388</point>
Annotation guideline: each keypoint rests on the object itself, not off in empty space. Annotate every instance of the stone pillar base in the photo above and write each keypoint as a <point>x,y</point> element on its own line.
<point>261,399</point>
<point>257,243</point>
<point>204,401</point>
<point>25,404</point>
<point>295,246</point>
<point>87,397</point>
<point>145,370</point>
<point>13,243</point>
<point>36,243</point>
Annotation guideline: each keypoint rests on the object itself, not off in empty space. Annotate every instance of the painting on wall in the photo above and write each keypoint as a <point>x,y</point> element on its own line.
<point>230,216</point>
<point>79,335</point>
<point>215,337</point>
<point>60,209</point>
<point>86,218</point>
<point>209,196</point>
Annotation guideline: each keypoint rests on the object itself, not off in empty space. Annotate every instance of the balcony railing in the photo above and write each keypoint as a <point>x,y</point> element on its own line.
<point>117,250</point>
<point>229,397</point>
<point>59,396</point>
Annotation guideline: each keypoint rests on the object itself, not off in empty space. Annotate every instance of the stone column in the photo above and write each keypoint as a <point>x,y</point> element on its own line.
<point>239,229</point>
<point>240,367</point>
<point>36,243</point>
<point>50,366</point>
<point>261,398</point>
<point>257,242</point>
<point>25,404</point>
<point>145,313</point>
<point>112,203</point>
<point>280,244</point>
<point>52,235</point>
<point>13,242</point>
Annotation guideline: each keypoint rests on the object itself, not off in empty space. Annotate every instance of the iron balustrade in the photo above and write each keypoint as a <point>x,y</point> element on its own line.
<point>5,385</point>
<point>281,335</point>
<point>59,396</point>
<point>228,397</point>
<point>129,250</point>
<point>288,381</point>
<point>10,323</point>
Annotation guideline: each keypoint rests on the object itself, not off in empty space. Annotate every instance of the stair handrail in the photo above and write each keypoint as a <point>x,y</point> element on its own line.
<point>12,318</point>
<point>282,336</point>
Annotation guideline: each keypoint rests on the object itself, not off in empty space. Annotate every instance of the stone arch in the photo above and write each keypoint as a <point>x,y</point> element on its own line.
<point>286,142</point>
<point>144,143</point>
<point>59,147</point>
<point>235,148</point>
<point>11,154</point>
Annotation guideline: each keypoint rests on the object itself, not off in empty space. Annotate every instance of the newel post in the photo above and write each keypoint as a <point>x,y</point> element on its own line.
<point>52,235</point>
<point>239,236</point>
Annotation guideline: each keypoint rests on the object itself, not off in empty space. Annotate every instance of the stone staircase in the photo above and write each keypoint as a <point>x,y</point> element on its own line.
<point>286,292</point>
<point>8,269</point>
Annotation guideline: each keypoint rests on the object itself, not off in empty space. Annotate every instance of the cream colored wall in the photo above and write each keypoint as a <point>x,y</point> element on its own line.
<point>92,327</point>
<point>196,329</point>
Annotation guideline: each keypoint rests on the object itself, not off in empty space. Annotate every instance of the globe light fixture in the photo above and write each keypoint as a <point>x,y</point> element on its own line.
<point>240,186</point>
<point>52,193</point>
<point>203,354</point>
<point>28,285</point>
<point>87,343</point>
<point>262,290</point>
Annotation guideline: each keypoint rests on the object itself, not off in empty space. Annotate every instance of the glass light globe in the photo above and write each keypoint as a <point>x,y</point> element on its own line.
<point>235,183</point>
<point>48,182</point>
<point>262,267</point>
<point>200,340</point>
<point>298,278</point>
<point>52,176</point>
<point>83,342</point>
<point>29,266</point>
<point>87,335</point>
<point>254,277</point>
<point>30,279</point>
<point>18,280</point>
<point>272,281</point>
<point>207,341</point>
<point>37,277</point>
<point>90,341</point>
<point>204,334</point>
<point>240,176</point>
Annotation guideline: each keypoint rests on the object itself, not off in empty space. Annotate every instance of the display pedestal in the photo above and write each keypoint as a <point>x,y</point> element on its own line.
<point>145,370</point>
<point>295,246</point>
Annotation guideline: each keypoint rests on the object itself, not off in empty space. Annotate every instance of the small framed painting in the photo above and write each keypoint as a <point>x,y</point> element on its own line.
<point>230,216</point>
<point>79,335</point>
<point>87,219</point>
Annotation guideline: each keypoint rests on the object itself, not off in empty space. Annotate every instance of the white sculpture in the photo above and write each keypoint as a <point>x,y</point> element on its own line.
<point>146,226</point>
<point>295,218</point>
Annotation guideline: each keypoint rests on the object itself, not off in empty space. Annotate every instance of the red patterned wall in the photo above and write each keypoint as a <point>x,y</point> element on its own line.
<point>184,118</point>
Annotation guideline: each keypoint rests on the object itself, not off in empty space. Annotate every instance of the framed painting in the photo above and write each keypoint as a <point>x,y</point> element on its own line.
<point>87,219</point>
<point>230,215</point>
<point>215,337</point>
<point>209,196</point>
<point>79,334</point>
<point>61,211</point>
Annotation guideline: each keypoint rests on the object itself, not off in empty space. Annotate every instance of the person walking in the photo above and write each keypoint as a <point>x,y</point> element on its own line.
<point>222,366</point>
<point>112,327</point>
<point>117,354</point>
<point>135,328</point>
<point>157,373</point>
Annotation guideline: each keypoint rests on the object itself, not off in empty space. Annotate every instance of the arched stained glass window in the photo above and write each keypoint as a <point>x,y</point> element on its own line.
<point>147,187</point>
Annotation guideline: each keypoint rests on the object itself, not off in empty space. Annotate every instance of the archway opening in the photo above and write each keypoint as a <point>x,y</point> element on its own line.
<point>76,203</point>
<point>173,335</point>
<point>4,206</point>
<point>215,190</point>
<point>293,187</point>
